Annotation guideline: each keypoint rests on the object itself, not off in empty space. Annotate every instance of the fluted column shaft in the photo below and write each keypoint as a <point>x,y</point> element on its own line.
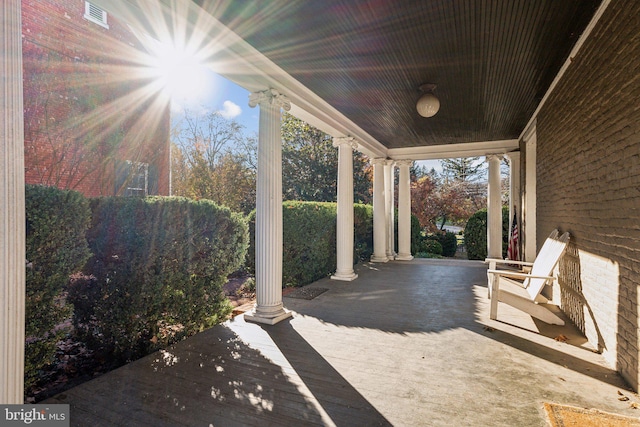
<point>344,227</point>
<point>379,214</point>
<point>12,215</point>
<point>389,208</point>
<point>404,211</point>
<point>269,308</point>
<point>494,212</point>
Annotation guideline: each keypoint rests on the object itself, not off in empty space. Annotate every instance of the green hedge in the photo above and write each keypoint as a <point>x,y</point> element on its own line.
<point>55,248</point>
<point>309,240</point>
<point>416,235</point>
<point>448,241</point>
<point>475,234</point>
<point>363,232</point>
<point>430,246</point>
<point>158,268</point>
<point>309,236</point>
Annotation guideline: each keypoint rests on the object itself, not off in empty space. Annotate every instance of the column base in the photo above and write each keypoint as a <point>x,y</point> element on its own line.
<point>376,258</point>
<point>404,257</point>
<point>267,319</point>
<point>346,277</point>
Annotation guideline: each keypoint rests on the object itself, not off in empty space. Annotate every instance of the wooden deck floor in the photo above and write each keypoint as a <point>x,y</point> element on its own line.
<point>407,343</point>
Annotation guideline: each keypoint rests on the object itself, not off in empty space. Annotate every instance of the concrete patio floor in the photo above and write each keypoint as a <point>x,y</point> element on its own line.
<point>406,344</point>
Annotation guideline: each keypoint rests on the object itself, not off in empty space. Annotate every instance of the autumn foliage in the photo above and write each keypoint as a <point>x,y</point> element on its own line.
<point>433,201</point>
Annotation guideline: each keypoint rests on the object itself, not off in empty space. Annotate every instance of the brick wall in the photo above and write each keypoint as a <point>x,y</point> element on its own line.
<point>588,183</point>
<point>85,106</point>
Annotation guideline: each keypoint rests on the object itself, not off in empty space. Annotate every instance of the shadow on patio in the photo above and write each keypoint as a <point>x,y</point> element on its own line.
<point>407,343</point>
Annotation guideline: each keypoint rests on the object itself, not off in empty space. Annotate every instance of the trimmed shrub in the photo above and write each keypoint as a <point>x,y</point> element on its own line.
<point>449,243</point>
<point>158,268</point>
<point>250,258</point>
<point>363,230</point>
<point>56,247</point>
<point>475,234</point>
<point>309,240</point>
<point>431,246</point>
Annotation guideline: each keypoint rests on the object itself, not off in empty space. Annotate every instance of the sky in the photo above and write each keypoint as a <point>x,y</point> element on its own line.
<point>215,93</point>
<point>205,91</point>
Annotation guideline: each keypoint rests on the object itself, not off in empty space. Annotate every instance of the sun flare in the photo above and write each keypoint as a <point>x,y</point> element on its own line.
<point>180,73</point>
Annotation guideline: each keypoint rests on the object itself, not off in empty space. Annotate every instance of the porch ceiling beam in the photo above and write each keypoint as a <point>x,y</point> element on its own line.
<point>233,58</point>
<point>449,151</point>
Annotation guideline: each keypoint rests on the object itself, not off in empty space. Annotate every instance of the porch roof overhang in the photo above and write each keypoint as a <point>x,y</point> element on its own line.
<point>353,67</point>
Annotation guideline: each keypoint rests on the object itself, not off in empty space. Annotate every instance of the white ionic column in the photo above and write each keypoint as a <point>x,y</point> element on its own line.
<point>269,308</point>
<point>494,211</point>
<point>379,217</point>
<point>404,211</point>
<point>344,227</point>
<point>12,216</point>
<point>389,194</point>
<point>514,186</point>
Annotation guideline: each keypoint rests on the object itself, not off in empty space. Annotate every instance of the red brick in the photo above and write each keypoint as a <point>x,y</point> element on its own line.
<point>74,96</point>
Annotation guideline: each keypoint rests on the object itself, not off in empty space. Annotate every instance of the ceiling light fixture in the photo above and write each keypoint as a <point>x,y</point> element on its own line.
<point>428,104</point>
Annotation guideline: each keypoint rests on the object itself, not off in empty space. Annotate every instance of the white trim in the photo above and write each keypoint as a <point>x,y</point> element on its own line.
<point>514,186</point>
<point>567,63</point>
<point>529,214</point>
<point>12,208</point>
<point>135,170</point>
<point>91,12</point>
<point>448,151</point>
<point>494,208</point>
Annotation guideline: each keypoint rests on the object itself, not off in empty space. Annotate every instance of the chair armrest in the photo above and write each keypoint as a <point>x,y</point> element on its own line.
<point>507,261</point>
<point>507,273</point>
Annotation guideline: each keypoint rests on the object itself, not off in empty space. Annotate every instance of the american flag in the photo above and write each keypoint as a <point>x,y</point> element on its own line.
<point>512,250</point>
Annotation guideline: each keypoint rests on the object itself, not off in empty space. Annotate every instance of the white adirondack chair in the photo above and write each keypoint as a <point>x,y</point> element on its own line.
<point>526,294</point>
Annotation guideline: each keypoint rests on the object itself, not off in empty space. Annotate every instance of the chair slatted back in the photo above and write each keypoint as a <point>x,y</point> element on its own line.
<point>546,262</point>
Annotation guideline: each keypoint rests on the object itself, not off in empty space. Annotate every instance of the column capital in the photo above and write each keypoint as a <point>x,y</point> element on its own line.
<point>378,161</point>
<point>404,162</point>
<point>269,97</point>
<point>493,157</point>
<point>390,162</point>
<point>513,155</point>
<point>340,140</point>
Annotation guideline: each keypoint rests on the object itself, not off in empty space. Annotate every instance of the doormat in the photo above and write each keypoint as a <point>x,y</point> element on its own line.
<point>306,292</point>
<point>570,416</point>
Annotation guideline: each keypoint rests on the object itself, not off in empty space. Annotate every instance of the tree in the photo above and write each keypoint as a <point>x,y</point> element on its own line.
<point>204,137</point>
<point>423,206</point>
<point>310,165</point>
<point>467,169</point>
<point>434,201</point>
<point>213,159</point>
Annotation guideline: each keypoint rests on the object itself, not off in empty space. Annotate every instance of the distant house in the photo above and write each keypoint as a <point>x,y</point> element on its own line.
<point>92,121</point>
